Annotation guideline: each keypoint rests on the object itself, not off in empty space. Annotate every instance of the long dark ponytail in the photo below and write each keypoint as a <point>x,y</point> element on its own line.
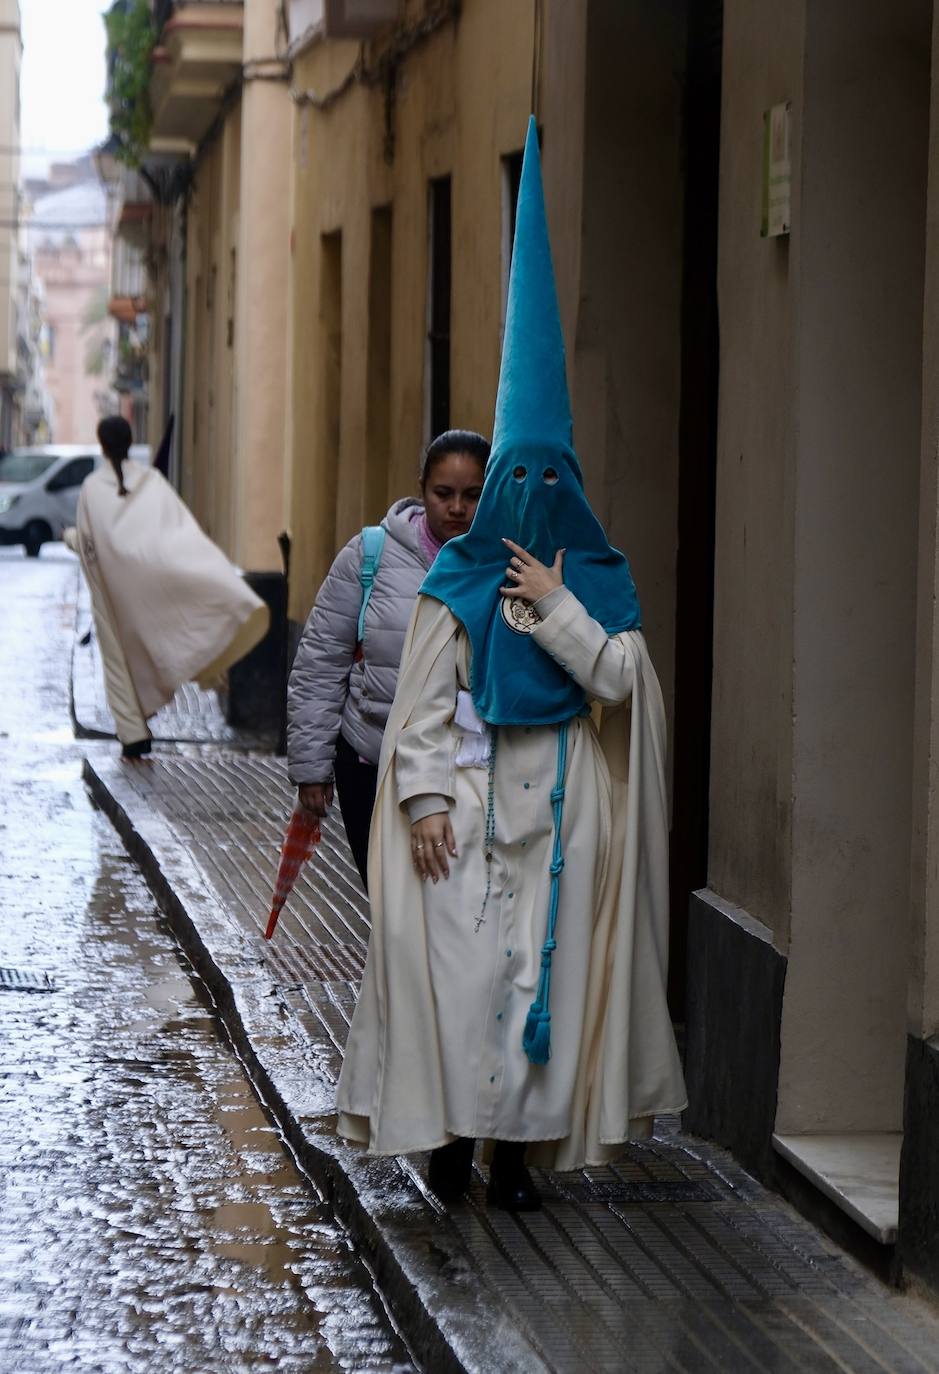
<point>115,438</point>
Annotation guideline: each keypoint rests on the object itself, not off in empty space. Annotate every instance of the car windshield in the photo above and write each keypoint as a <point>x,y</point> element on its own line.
<point>23,466</point>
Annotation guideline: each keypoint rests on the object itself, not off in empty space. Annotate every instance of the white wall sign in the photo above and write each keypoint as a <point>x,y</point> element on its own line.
<point>777,172</point>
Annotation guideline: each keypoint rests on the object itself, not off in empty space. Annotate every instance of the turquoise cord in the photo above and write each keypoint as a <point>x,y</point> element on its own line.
<point>536,1039</point>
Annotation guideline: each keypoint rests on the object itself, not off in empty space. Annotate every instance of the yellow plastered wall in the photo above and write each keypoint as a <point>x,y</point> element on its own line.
<point>459,104</point>
<point>209,420</point>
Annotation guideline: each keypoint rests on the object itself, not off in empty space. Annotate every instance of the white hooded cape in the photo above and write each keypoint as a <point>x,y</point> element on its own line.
<point>169,605</point>
<point>434,1049</point>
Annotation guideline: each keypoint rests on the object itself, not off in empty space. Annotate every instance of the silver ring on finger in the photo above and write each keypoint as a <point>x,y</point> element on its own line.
<point>439,844</point>
<point>418,847</point>
<point>512,573</point>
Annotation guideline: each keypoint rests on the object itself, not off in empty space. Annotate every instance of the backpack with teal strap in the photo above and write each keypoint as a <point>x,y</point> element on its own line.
<point>373,542</point>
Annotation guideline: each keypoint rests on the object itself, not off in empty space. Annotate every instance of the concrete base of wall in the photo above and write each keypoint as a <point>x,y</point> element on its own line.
<point>735,992</point>
<point>919,1173</point>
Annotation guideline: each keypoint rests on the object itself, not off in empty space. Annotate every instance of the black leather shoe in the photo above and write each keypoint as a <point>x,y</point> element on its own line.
<point>451,1168</point>
<point>511,1186</point>
<point>137,749</point>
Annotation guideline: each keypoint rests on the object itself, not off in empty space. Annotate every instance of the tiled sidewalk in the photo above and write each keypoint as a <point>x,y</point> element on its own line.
<point>674,1260</point>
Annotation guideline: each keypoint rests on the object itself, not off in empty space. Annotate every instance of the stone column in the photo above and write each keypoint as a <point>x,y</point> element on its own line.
<point>261,315</point>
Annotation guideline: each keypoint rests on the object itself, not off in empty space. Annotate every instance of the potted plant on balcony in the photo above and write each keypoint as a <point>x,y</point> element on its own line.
<point>131,39</point>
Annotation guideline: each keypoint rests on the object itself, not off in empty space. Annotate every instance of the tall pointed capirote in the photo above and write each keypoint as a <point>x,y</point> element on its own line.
<point>533,494</point>
<point>533,402</point>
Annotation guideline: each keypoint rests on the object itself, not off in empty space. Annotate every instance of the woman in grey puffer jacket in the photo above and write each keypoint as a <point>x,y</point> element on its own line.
<point>340,691</point>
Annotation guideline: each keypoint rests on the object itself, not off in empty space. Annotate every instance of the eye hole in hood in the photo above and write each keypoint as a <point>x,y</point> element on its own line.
<point>520,473</point>
<point>550,476</point>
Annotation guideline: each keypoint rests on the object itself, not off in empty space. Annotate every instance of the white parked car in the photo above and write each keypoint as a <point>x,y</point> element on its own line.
<point>39,490</point>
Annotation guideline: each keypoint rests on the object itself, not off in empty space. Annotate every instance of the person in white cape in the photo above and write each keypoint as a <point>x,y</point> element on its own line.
<point>168,605</point>
<point>514,989</point>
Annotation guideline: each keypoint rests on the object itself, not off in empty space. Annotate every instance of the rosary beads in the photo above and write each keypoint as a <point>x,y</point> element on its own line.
<point>489,839</point>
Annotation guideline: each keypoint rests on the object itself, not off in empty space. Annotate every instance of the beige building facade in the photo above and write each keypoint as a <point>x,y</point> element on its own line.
<point>78,334</point>
<point>218,266</point>
<point>813,1009</point>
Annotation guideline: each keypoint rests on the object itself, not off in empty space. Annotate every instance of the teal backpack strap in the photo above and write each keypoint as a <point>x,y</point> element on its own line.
<point>373,542</point>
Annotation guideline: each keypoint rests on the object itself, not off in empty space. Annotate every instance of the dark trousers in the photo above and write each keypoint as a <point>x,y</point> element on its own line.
<point>356,783</point>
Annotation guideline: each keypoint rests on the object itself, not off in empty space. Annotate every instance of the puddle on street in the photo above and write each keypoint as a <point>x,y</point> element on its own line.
<point>170,993</point>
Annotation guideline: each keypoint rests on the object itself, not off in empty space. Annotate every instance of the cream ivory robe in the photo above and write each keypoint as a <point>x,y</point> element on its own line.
<point>168,605</point>
<point>435,1046</point>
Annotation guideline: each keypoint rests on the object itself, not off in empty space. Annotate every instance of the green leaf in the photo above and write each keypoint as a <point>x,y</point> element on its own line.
<point>131,40</point>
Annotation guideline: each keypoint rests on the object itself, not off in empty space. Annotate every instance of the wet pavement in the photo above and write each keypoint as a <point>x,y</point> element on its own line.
<point>151,1219</point>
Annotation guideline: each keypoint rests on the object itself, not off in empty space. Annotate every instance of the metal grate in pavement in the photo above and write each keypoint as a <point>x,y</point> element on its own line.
<point>583,1189</point>
<point>22,980</point>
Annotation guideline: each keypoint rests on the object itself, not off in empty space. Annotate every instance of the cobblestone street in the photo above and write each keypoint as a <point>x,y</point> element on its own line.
<point>151,1219</point>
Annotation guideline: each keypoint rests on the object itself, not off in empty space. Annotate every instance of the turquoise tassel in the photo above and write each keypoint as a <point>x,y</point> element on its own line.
<point>536,1038</point>
<point>536,1041</point>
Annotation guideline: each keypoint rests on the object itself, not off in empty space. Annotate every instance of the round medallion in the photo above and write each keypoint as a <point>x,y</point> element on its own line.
<point>519,616</point>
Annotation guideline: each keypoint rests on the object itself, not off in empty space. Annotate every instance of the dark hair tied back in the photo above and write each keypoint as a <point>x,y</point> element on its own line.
<point>115,437</point>
<point>454,441</point>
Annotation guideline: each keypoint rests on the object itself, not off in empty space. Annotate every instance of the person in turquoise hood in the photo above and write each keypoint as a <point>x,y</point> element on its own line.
<point>515,985</point>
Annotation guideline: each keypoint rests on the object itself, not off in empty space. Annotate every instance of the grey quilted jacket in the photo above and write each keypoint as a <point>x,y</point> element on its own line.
<point>328,691</point>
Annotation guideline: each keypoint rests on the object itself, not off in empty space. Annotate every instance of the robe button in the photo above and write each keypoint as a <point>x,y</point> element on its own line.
<point>508,954</point>
<point>510,894</point>
<point>526,785</point>
<point>498,1016</point>
<point>492,1078</point>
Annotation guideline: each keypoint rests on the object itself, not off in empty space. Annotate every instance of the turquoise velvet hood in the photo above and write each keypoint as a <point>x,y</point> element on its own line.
<point>533,493</point>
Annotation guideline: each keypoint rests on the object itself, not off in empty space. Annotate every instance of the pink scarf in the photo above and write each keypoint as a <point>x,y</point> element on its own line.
<point>429,542</point>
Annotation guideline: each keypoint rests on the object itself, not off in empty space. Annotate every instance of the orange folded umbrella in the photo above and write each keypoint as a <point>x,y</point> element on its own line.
<point>302,837</point>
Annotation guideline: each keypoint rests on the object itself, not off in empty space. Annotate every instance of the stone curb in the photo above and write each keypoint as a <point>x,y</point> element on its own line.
<point>452,1324</point>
